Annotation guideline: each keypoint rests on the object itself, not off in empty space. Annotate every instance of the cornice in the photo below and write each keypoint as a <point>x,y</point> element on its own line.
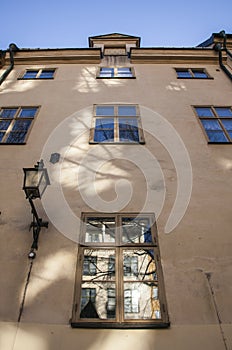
<point>174,55</point>
<point>34,56</point>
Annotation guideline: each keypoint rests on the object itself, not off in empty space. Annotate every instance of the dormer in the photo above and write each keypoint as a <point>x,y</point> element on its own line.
<point>114,44</point>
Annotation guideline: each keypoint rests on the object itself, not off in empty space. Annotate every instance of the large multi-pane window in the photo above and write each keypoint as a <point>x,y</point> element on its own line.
<point>45,73</point>
<point>192,73</point>
<point>216,122</point>
<point>119,279</point>
<point>116,123</point>
<point>115,72</point>
<point>15,123</point>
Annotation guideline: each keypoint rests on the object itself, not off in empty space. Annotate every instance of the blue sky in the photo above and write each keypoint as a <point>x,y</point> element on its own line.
<point>69,23</point>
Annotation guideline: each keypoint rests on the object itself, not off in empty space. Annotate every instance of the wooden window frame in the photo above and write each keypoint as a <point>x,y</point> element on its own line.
<point>191,72</point>
<point>115,75</point>
<point>217,118</point>
<point>14,119</point>
<point>116,117</point>
<point>39,72</point>
<point>118,247</point>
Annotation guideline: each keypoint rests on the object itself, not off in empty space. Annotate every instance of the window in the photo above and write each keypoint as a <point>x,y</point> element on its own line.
<point>192,73</point>
<point>47,73</point>
<point>116,123</point>
<point>112,72</point>
<point>216,122</point>
<point>15,124</point>
<point>119,281</point>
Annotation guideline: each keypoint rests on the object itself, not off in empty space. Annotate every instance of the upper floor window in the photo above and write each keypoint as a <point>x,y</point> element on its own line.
<point>217,123</point>
<point>115,72</point>
<point>15,124</point>
<point>46,73</point>
<point>119,281</point>
<point>192,73</point>
<point>116,123</point>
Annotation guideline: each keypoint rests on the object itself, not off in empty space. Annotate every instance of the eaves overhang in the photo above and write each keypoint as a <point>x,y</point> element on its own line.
<point>53,56</point>
<point>174,55</point>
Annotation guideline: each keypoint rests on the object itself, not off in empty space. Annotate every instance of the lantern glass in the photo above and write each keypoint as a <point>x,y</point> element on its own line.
<point>35,182</point>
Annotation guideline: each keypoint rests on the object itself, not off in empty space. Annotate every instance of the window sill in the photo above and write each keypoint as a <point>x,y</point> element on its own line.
<point>219,143</point>
<point>117,143</point>
<point>35,78</point>
<point>195,78</point>
<point>115,77</point>
<point>11,144</point>
<point>120,325</point>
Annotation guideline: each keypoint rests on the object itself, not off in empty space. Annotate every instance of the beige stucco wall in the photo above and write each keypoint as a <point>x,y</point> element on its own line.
<point>201,243</point>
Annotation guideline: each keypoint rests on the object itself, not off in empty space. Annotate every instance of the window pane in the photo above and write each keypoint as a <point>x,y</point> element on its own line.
<point>183,74</point>
<point>21,125</point>
<point>90,265</point>
<point>139,264</point>
<point>104,123</point>
<point>107,72</point>
<point>128,129</point>
<point>223,112</point>
<point>226,123</point>
<point>16,137</point>
<point>99,264</point>
<point>47,74</point>
<point>199,74</point>
<point>136,230</point>
<point>216,136</point>
<point>28,112</point>
<point>1,135</point>
<point>100,230</point>
<point>4,124</point>
<point>30,74</point>
<point>127,110</point>
<point>104,136</point>
<point>139,301</point>
<point>100,302</point>
<point>105,110</point>
<point>8,112</point>
<point>124,72</point>
<point>204,112</point>
<point>211,124</point>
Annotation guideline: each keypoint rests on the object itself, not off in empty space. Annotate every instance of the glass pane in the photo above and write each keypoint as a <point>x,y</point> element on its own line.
<point>104,123</point>
<point>124,72</point>
<point>183,74</point>
<point>199,74</point>
<point>20,125</point>
<point>105,110</point>
<point>104,136</point>
<point>227,124</point>
<point>8,112</point>
<point>136,230</point>
<point>128,129</point>
<point>47,74</point>
<point>223,112</point>
<point>30,74</point>
<point>98,300</point>
<point>99,265</point>
<point>107,72</point>
<point>216,136</point>
<point>211,124</point>
<point>16,137</point>
<point>4,124</point>
<point>1,135</point>
<point>204,112</point>
<point>127,110</point>
<point>100,230</point>
<point>139,264</point>
<point>140,301</point>
<point>28,112</point>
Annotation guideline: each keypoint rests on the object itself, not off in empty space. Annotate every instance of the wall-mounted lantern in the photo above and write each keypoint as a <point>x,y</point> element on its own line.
<point>35,183</point>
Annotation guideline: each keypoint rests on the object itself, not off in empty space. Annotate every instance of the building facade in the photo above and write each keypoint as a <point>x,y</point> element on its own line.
<point>137,146</point>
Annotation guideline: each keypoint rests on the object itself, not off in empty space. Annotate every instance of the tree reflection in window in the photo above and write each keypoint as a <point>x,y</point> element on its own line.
<point>120,280</point>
